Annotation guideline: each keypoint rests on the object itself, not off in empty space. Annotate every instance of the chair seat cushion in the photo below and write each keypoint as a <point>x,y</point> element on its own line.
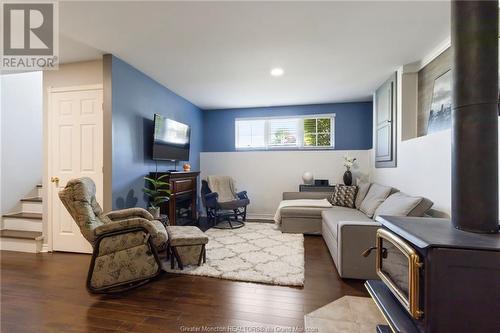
<point>186,235</point>
<point>334,215</point>
<point>235,204</point>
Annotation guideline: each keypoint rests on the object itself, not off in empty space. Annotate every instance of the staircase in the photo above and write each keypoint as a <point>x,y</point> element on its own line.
<point>22,231</point>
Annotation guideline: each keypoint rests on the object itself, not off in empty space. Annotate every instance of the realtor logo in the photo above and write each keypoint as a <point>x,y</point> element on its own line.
<point>29,38</point>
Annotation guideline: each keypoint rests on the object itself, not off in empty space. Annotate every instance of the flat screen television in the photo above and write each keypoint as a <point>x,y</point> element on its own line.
<point>170,140</point>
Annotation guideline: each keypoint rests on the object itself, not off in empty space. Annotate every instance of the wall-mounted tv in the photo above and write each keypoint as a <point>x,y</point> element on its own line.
<point>171,140</point>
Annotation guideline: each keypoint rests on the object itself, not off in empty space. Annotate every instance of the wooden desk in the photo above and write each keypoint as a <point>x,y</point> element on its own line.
<point>184,186</point>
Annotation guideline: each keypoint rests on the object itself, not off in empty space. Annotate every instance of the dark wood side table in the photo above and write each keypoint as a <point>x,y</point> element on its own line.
<point>183,186</point>
<point>316,188</point>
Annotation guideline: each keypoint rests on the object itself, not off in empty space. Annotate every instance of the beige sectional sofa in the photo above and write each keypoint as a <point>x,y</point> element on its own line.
<point>349,231</point>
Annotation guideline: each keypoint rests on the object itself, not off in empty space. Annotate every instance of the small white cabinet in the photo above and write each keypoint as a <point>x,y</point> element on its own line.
<point>385,124</point>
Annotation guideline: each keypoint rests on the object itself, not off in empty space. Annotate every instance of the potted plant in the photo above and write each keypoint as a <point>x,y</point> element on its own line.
<point>158,193</point>
<point>348,163</point>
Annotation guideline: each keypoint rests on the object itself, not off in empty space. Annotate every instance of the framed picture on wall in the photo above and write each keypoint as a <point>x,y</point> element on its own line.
<point>440,112</point>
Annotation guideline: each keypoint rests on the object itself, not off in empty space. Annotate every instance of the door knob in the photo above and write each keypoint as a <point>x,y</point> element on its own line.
<point>54,179</point>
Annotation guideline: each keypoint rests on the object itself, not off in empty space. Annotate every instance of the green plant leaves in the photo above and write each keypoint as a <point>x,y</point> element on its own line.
<point>159,193</point>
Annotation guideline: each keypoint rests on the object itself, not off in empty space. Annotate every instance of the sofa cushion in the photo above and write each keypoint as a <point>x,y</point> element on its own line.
<point>401,204</point>
<point>344,196</point>
<point>363,188</point>
<point>332,217</point>
<point>422,208</point>
<point>314,212</point>
<point>398,204</point>
<point>375,196</point>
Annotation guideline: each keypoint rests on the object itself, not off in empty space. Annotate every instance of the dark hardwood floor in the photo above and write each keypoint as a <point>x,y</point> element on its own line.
<point>46,293</point>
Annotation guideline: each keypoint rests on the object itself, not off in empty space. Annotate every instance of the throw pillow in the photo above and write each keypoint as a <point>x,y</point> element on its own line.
<point>398,204</point>
<point>344,196</point>
<point>363,188</point>
<point>422,208</point>
<point>375,196</point>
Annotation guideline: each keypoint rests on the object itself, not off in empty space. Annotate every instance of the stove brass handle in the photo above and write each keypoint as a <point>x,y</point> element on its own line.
<point>367,252</point>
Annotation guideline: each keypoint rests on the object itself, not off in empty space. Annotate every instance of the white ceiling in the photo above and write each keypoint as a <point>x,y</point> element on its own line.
<point>219,54</point>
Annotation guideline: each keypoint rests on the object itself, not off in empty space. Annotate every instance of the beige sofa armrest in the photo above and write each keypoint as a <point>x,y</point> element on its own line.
<point>306,195</point>
<point>353,239</point>
<point>346,224</point>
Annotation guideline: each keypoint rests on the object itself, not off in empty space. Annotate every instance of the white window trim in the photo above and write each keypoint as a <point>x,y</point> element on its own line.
<point>300,133</point>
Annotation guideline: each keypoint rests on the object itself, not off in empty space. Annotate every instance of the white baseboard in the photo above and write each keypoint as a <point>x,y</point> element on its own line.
<point>45,247</point>
<point>256,216</point>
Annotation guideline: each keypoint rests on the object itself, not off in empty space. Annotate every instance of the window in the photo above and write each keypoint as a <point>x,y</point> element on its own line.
<point>250,134</point>
<point>283,132</point>
<point>317,132</point>
<point>300,132</point>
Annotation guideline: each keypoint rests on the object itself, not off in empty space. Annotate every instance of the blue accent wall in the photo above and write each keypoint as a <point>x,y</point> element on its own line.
<point>353,124</point>
<point>135,99</point>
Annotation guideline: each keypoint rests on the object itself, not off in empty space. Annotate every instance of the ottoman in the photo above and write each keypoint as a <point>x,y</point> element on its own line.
<point>186,245</point>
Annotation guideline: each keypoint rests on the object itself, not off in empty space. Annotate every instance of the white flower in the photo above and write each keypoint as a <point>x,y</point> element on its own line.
<point>349,161</point>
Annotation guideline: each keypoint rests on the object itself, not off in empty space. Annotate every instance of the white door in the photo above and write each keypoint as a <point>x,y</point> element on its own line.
<point>75,150</point>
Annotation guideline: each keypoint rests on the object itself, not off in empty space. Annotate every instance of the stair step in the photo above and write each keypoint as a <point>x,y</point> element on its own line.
<point>33,199</point>
<point>21,241</point>
<point>30,216</point>
<point>17,223</point>
<point>20,234</point>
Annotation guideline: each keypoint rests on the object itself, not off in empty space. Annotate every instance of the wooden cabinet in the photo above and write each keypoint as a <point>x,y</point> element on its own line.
<point>385,124</point>
<point>316,188</point>
<point>184,187</point>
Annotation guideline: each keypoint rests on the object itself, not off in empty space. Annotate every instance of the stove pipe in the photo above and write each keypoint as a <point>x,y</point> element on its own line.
<point>474,39</point>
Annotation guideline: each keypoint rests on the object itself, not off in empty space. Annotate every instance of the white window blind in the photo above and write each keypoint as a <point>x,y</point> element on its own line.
<point>283,132</point>
<point>296,132</point>
<point>251,133</point>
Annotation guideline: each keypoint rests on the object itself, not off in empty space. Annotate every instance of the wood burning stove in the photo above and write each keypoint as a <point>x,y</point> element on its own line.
<point>436,278</point>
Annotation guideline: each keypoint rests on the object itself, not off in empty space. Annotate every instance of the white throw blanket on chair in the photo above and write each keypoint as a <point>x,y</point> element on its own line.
<point>223,186</point>
<point>319,203</point>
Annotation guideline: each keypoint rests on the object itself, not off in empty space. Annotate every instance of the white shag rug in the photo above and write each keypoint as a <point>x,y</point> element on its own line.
<point>257,252</point>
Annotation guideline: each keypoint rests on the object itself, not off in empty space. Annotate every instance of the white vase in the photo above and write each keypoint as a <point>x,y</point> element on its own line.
<point>308,178</point>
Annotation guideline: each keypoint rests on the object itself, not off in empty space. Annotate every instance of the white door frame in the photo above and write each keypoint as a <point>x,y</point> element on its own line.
<point>48,157</point>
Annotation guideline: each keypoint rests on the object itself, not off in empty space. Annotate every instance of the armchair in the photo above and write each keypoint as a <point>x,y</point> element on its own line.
<point>221,201</point>
<point>125,242</point>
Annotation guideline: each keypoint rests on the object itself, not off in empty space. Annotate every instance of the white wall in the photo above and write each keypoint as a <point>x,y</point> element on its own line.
<point>22,139</point>
<point>424,169</point>
<point>267,174</point>
<point>1,108</point>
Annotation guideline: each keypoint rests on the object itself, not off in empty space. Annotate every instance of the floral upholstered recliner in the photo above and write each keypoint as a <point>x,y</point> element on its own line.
<point>125,242</point>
